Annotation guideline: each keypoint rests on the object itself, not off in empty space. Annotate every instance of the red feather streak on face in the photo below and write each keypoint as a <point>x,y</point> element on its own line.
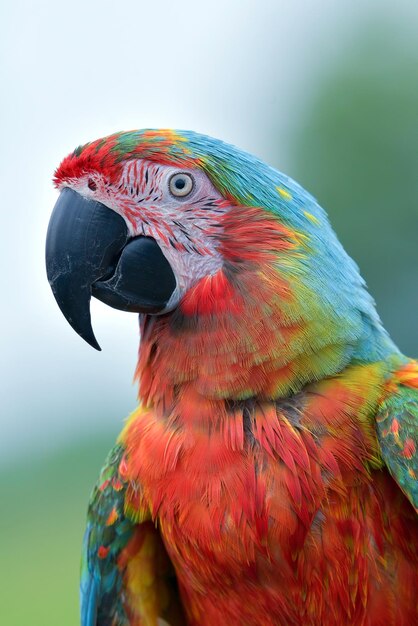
<point>251,234</point>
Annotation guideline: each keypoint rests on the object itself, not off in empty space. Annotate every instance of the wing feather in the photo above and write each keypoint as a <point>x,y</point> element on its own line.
<point>397,430</point>
<point>126,576</point>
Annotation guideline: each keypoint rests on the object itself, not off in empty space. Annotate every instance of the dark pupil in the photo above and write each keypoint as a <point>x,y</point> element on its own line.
<point>179,183</point>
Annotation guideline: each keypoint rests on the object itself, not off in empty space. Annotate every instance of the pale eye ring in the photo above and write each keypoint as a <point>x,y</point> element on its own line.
<point>181,184</point>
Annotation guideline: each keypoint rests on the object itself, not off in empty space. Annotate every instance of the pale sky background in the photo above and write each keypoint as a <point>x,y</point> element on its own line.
<point>73,72</point>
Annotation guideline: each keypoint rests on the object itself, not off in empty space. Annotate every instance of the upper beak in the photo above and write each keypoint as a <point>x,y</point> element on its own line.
<point>89,252</point>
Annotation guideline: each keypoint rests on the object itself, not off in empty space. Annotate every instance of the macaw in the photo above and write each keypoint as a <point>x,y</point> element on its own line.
<point>269,475</point>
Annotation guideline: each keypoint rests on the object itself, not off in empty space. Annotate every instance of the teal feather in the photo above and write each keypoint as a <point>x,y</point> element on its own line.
<point>101,580</point>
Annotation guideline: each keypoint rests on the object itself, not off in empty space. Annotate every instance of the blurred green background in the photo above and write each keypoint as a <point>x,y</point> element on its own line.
<point>356,150</point>
<point>44,504</point>
<point>327,94</point>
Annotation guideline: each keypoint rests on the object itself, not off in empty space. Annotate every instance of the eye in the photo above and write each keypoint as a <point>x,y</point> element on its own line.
<point>91,184</point>
<point>180,185</point>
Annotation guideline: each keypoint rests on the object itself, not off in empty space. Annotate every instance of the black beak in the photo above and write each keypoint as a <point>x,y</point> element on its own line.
<point>89,252</point>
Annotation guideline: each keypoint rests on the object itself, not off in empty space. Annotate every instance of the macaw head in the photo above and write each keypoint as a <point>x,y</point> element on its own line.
<point>164,222</point>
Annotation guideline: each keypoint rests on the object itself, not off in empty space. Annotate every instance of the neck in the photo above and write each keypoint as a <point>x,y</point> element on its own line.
<point>239,336</point>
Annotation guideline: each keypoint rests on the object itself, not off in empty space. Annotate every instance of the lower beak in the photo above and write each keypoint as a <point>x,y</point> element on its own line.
<point>89,252</point>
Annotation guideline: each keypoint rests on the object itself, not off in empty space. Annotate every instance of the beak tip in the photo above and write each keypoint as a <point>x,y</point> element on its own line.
<point>90,339</point>
<point>94,345</point>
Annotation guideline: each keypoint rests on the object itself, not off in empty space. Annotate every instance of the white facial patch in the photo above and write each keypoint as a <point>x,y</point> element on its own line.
<point>186,225</point>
